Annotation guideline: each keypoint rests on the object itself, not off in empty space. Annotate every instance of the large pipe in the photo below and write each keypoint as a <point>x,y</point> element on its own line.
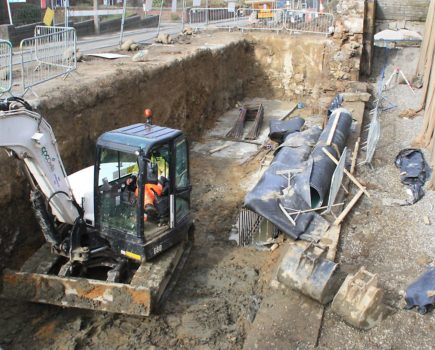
<point>323,167</point>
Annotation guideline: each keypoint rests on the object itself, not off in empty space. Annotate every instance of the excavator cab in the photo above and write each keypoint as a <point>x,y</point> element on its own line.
<point>142,189</point>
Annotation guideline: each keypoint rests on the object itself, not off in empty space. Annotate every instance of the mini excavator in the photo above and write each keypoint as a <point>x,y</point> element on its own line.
<point>113,242</point>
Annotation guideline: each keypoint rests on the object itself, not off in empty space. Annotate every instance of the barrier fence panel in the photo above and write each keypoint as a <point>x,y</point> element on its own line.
<point>49,54</point>
<point>5,66</point>
<point>374,133</point>
<point>219,17</point>
<point>255,19</point>
<point>309,22</point>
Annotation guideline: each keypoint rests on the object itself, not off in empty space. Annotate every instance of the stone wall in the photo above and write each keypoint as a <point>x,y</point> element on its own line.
<point>348,39</point>
<point>309,65</point>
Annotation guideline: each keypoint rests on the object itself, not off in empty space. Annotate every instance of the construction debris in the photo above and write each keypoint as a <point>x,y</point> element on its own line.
<point>323,167</point>
<point>258,122</point>
<point>255,114</point>
<point>408,113</point>
<point>414,171</point>
<point>141,56</point>
<point>280,129</point>
<point>307,270</point>
<point>359,300</point>
<point>421,293</point>
<point>164,38</point>
<point>129,45</point>
<point>236,131</point>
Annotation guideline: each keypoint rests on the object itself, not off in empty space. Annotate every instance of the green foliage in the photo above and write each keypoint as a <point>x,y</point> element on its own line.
<point>27,14</point>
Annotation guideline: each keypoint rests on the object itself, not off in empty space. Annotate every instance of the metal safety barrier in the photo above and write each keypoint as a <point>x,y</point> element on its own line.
<point>255,19</point>
<point>219,17</point>
<point>309,22</point>
<point>263,19</point>
<point>374,133</point>
<point>5,66</point>
<point>247,223</point>
<point>51,53</point>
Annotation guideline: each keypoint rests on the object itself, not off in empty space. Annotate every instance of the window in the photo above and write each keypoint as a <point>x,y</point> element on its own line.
<point>181,168</point>
<point>181,179</point>
<point>116,204</point>
<point>115,165</point>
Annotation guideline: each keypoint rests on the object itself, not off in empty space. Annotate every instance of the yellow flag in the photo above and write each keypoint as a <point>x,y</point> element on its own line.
<point>48,17</point>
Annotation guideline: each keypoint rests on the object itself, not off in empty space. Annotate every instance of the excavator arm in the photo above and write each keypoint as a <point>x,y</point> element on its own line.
<point>27,136</point>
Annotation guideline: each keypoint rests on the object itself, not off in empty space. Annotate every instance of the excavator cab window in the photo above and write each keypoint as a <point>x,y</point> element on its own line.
<point>117,204</point>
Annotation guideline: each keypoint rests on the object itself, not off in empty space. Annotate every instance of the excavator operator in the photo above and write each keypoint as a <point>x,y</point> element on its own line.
<point>152,190</point>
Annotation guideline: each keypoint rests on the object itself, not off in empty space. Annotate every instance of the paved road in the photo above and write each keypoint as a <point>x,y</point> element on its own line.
<point>108,41</point>
<point>111,40</point>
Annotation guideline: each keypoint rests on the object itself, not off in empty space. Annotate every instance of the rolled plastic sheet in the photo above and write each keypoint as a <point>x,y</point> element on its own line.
<point>336,103</point>
<point>323,166</point>
<point>267,195</point>
<point>280,129</point>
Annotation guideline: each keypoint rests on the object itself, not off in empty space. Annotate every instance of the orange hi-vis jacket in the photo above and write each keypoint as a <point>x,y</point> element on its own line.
<point>151,190</point>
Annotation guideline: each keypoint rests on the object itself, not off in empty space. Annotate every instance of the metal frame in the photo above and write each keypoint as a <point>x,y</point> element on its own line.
<point>308,21</point>
<point>218,17</point>
<point>374,133</point>
<point>256,19</point>
<point>336,181</point>
<point>5,66</point>
<point>51,53</point>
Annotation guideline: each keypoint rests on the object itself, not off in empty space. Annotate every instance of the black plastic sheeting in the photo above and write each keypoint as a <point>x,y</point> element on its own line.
<point>414,171</point>
<point>280,129</point>
<point>336,103</point>
<point>417,292</point>
<point>265,197</point>
<point>323,166</point>
<point>301,154</point>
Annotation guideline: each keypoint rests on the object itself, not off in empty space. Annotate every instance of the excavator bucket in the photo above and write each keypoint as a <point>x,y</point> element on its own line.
<point>307,270</point>
<point>35,282</point>
<point>359,300</point>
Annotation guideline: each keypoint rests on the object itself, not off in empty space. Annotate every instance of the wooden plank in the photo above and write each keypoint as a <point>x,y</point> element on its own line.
<point>353,179</point>
<point>348,207</point>
<point>289,113</point>
<point>355,156</point>
<point>332,131</point>
<point>220,148</point>
<point>426,39</point>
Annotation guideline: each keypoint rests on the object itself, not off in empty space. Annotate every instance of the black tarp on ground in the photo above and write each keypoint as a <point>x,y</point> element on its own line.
<point>280,129</point>
<point>295,155</point>
<point>414,171</point>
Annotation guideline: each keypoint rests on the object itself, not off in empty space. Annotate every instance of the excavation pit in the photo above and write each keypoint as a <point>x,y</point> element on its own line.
<point>196,88</point>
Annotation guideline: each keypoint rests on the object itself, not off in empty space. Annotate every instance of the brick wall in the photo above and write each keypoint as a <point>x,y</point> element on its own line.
<point>411,10</point>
